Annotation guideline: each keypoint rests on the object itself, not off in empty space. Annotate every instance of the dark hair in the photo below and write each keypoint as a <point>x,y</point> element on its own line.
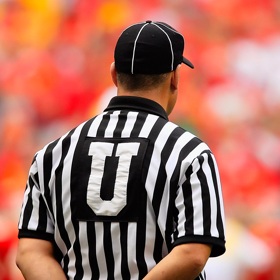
<point>134,82</point>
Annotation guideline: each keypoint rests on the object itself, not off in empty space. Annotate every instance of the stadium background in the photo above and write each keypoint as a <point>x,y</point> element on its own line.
<point>54,73</point>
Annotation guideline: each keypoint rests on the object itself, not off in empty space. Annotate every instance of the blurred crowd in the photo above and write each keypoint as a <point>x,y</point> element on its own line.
<point>54,73</point>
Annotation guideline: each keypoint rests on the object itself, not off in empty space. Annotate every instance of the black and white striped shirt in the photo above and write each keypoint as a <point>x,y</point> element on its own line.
<point>119,191</point>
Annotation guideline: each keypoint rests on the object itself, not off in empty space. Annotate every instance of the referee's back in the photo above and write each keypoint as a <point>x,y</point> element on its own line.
<point>115,187</point>
<point>127,193</point>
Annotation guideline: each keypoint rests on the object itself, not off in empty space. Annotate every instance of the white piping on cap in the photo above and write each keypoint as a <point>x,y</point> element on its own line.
<point>171,47</point>
<point>170,43</point>
<point>134,48</point>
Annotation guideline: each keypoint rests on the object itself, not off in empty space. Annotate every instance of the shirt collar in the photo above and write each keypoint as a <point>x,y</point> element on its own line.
<point>134,103</point>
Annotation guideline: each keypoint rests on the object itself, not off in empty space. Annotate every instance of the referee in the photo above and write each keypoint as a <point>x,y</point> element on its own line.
<point>127,194</point>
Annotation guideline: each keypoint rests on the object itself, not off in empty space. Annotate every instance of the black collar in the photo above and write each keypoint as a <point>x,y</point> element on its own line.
<point>133,103</point>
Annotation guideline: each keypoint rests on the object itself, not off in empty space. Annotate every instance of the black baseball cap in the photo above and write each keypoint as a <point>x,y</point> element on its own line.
<point>149,48</point>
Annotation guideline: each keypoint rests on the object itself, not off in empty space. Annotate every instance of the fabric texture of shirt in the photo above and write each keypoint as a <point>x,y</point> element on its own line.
<point>118,192</point>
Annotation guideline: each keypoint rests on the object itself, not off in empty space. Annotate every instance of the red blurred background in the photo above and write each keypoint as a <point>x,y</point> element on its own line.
<point>54,73</point>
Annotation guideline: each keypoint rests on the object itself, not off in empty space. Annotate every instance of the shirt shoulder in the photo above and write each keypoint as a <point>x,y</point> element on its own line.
<point>61,143</point>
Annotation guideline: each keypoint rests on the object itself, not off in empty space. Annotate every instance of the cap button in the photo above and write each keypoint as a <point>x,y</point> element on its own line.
<point>148,21</point>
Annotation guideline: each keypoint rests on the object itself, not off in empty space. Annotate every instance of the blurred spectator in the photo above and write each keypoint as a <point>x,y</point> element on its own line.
<point>54,61</point>
<point>245,253</point>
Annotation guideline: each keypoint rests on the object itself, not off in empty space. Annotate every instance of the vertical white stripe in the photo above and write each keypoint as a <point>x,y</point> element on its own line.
<point>192,155</point>
<point>219,190</point>
<point>213,198</point>
<point>101,260</point>
<point>150,236</point>
<point>148,125</point>
<point>34,221</point>
<point>131,250</point>
<point>131,119</point>
<point>164,208</point>
<point>84,250</point>
<point>40,165</point>
<point>109,132</point>
<point>60,243</point>
<point>150,227</point>
<point>179,202</point>
<point>66,197</point>
<point>36,192</point>
<point>95,125</point>
<point>156,157</point>
<point>197,205</point>
<point>117,250</point>
<point>134,48</point>
<point>57,152</point>
<point>25,198</point>
<point>150,186</point>
<point>169,167</point>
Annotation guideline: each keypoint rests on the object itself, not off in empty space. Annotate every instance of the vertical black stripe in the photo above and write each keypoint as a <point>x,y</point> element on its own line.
<point>28,206</point>
<point>189,210</point>
<point>187,190</point>
<point>108,249</point>
<point>75,184</point>
<point>140,245</point>
<point>205,198</point>
<point>159,187</point>
<point>103,125</point>
<point>120,125</point>
<point>158,193</point>
<point>153,135</point>
<point>77,249</point>
<point>47,171</point>
<point>157,254</point>
<point>42,223</point>
<point>172,211</point>
<point>140,120</point>
<point>161,181</point>
<point>59,198</point>
<point>124,261</point>
<point>220,225</point>
<point>141,225</point>
<point>91,234</point>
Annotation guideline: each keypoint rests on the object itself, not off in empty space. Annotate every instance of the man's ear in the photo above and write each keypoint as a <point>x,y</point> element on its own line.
<point>114,74</point>
<point>175,78</point>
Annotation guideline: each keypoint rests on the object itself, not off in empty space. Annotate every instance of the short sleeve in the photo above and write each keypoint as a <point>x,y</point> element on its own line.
<point>35,219</point>
<point>199,205</point>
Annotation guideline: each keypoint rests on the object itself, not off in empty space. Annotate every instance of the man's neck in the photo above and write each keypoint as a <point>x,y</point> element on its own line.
<point>156,95</point>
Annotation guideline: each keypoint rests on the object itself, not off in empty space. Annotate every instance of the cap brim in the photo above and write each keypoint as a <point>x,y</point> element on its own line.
<point>187,62</point>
